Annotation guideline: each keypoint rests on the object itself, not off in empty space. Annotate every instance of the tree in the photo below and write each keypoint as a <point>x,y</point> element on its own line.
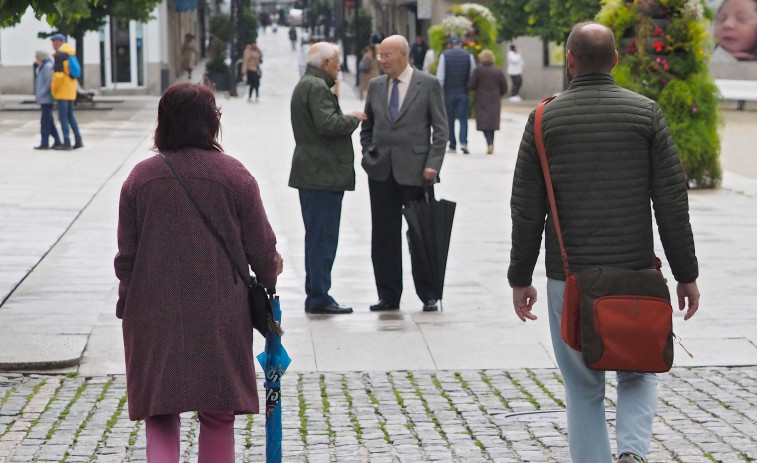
<point>12,10</point>
<point>551,20</point>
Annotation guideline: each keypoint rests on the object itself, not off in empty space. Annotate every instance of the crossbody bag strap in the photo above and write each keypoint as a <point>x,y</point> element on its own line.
<point>206,220</point>
<point>539,138</point>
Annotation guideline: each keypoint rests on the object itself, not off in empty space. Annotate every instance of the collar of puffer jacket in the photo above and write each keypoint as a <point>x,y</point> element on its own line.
<point>594,78</point>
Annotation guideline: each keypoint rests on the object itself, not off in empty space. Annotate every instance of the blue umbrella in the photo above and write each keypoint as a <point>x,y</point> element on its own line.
<point>274,360</point>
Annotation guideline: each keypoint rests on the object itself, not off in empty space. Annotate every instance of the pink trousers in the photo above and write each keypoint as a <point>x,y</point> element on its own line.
<point>216,438</point>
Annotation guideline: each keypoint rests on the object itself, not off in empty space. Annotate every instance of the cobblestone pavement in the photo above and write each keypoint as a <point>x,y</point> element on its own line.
<point>704,415</point>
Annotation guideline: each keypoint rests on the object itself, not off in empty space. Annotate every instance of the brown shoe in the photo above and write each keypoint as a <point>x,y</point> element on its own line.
<point>490,149</point>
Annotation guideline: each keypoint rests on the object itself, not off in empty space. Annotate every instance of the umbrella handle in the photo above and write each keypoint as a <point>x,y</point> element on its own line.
<point>428,191</point>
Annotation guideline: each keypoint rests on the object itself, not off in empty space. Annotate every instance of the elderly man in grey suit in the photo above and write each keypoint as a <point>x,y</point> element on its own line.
<point>403,139</point>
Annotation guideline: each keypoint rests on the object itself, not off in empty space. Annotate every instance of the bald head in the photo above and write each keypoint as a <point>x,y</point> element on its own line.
<point>592,47</point>
<point>393,52</point>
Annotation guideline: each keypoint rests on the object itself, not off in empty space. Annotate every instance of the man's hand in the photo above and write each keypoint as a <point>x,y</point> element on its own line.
<point>523,301</point>
<point>360,115</point>
<point>688,291</point>
<point>429,173</point>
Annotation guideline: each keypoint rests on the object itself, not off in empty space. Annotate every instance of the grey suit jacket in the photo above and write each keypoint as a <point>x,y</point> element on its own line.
<point>406,146</point>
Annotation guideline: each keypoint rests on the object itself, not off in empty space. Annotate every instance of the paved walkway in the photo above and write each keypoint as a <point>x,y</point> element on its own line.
<point>350,394</point>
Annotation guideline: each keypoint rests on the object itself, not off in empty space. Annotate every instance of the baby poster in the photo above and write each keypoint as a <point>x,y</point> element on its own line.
<point>734,28</point>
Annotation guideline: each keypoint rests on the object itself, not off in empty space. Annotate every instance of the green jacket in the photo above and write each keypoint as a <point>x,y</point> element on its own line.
<point>611,158</point>
<point>323,156</point>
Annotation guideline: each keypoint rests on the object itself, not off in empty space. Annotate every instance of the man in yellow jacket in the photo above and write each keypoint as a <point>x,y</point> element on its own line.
<point>63,88</point>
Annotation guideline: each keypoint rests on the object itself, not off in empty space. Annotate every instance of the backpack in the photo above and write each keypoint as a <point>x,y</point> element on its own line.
<point>74,68</point>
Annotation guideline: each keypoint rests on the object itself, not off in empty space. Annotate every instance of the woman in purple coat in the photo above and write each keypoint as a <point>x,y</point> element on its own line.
<point>488,81</point>
<point>186,324</point>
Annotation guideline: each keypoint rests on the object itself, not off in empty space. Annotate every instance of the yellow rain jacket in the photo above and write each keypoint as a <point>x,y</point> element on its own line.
<point>63,86</point>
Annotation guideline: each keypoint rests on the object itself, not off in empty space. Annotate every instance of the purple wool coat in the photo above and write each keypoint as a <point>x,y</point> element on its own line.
<point>186,325</point>
<point>490,85</point>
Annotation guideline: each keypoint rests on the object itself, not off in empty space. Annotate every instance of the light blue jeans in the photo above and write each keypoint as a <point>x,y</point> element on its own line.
<point>585,394</point>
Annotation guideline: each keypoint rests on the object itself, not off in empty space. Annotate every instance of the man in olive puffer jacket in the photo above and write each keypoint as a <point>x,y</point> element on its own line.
<point>323,168</point>
<point>610,155</point>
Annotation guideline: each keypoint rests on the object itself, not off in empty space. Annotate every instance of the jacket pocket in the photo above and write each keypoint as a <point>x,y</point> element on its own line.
<point>421,150</point>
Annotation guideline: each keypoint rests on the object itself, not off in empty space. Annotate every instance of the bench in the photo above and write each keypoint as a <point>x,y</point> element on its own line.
<point>738,90</point>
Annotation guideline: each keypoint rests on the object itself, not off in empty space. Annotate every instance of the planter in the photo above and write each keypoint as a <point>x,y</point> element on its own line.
<point>220,79</point>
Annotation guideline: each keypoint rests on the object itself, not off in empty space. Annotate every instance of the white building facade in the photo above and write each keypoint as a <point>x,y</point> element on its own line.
<point>122,57</point>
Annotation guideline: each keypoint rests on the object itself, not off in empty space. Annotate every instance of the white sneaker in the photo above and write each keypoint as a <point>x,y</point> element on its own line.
<point>464,148</point>
<point>452,150</point>
<point>515,99</point>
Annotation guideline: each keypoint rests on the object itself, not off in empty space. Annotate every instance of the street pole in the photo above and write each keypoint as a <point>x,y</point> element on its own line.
<point>356,43</point>
<point>233,41</point>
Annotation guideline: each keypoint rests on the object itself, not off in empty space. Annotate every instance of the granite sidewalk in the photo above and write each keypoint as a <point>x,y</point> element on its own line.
<point>406,386</point>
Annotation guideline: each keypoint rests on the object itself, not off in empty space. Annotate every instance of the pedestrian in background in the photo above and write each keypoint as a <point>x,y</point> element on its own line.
<point>189,54</point>
<point>63,87</point>
<point>43,77</point>
<point>418,52</point>
<point>489,84</point>
<point>185,317</point>
<point>611,157</point>
<point>302,62</point>
<point>456,65</point>
<point>293,36</point>
<point>251,61</point>
<point>515,71</point>
<point>403,141</point>
<point>322,170</point>
<point>368,68</point>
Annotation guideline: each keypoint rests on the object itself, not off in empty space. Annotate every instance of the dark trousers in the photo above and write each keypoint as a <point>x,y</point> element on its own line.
<point>47,125</point>
<point>387,199</point>
<point>517,82</point>
<point>253,80</point>
<point>457,108</point>
<point>489,135</point>
<point>321,213</point>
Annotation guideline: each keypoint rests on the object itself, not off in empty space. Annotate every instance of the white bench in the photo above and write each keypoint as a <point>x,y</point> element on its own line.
<point>738,90</point>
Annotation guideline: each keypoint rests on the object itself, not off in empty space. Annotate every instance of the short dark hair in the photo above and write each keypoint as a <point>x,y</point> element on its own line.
<point>512,47</point>
<point>594,50</point>
<point>188,118</point>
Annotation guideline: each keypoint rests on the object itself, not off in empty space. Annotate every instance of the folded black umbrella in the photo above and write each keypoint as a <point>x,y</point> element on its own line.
<point>429,226</point>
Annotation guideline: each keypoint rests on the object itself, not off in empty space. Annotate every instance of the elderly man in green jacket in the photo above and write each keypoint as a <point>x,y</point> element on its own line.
<point>322,170</point>
<point>610,156</point>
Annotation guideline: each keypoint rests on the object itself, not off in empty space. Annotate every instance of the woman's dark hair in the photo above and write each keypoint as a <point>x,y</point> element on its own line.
<point>188,118</point>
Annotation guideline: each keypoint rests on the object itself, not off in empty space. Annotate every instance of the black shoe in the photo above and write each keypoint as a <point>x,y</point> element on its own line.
<point>78,145</point>
<point>332,308</point>
<point>431,305</point>
<point>42,147</point>
<point>382,305</point>
<point>63,147</point>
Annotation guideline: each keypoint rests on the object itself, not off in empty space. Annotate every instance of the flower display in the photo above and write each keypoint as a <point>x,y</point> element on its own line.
<point>457,26</point>
<point>474,24</point>
<point>663,48</point>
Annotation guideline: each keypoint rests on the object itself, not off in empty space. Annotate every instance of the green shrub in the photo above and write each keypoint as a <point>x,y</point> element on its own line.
<point>663,48</point>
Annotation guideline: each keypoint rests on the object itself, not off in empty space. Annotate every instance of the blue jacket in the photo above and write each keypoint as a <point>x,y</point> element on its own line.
<point>42,83</point>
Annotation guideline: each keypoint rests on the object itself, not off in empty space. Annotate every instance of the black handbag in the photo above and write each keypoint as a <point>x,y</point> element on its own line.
<point>258,300</point>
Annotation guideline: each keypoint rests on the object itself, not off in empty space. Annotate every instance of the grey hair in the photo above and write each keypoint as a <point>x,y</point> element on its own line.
<point>320,52</point>
<point>42,55</point>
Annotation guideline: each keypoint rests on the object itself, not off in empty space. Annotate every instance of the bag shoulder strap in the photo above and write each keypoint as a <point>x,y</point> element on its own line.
<point>539,138</point>
<point>206,220</point>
